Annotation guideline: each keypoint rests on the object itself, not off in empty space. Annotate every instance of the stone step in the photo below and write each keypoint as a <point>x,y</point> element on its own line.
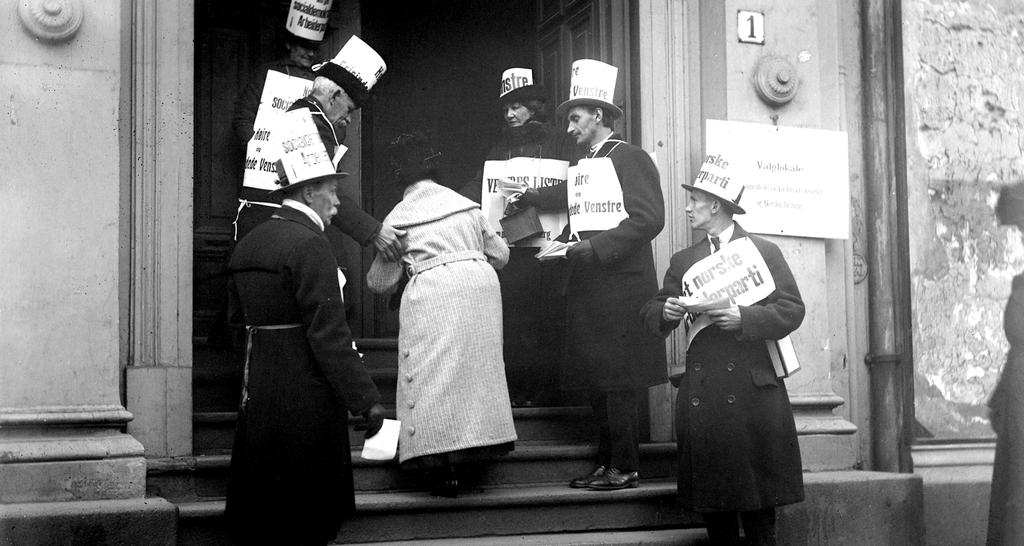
<point>213,432</point>
<point>531,463</point>
<point>842,507</point>
<point>675,537</point>
<point>488,512</point>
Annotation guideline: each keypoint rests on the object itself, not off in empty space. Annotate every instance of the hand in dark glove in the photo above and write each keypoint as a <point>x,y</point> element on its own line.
<point>582,252</point>
<point>374,420</point>
<point>531,197</point>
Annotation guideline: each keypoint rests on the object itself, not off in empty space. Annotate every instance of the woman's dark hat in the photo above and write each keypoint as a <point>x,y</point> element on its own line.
<point>356,69</point>
<point>1010,205</point>
<point>517,86</point>
<point>304,158</point>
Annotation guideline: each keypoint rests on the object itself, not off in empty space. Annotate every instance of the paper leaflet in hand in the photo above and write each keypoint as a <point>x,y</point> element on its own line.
<point>384,445</point>
<point>511,187</point>
<point>556,249</point>
<point>737,273</point>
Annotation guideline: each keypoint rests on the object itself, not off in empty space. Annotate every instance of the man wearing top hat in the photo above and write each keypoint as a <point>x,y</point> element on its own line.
<point>336,90</point>
<point>341,86</point>
<point>533,308</point>
<point>615,208</point>
<point>291,477</point>
<point>302,49</point>
<point>738,452</point>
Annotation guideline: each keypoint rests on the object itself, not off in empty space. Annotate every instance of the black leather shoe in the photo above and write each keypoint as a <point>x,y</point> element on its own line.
<point>584,481</point>
<point>614,478</point>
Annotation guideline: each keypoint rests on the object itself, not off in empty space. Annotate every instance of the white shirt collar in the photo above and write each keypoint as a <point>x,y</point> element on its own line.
<point>596,147</point>
<point>725,236</point>
<point>303,208</point>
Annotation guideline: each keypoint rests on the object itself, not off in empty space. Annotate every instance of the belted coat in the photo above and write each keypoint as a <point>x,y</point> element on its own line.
<point>291,473</point>
<point>607,347</point>
<point>737,440</point>
<point>451,392</point>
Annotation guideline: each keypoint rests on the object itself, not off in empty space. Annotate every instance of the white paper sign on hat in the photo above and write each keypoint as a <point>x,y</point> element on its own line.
<point>592,83</point>
<point>304,158</point>
<point>714,178</point>
<point>359,60</point>
<point>514,78</point>
<point>308,18</point>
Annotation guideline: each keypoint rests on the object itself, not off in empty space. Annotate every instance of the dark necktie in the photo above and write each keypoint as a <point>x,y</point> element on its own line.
<point>715,244</point>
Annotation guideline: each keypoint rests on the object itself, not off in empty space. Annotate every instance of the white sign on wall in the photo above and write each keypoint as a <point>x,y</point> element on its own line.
<point>797,180</point>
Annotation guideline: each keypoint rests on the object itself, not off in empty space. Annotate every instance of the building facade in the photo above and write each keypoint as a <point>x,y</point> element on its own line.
<point>117,119</point>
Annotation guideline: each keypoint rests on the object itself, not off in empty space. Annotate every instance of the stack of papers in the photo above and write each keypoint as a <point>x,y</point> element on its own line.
<point>553,250</point>
<point>510,187</point>
<point>695,305</point>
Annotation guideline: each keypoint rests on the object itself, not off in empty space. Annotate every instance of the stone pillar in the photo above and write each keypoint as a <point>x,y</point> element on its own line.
<point>692,68</point>
<point>64,453</point>
<point>808,34</point>
<point>158,135</point>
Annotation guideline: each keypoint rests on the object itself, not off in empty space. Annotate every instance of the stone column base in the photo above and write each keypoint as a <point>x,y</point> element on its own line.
<point>150,521</point>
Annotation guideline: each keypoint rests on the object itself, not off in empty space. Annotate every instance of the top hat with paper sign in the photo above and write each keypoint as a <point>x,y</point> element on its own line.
<point>356,68</point>
<point>304,158</point>
<point>307,22</point>
<point>592,84</point>
<point>517,86</point>
<point>714,178</point>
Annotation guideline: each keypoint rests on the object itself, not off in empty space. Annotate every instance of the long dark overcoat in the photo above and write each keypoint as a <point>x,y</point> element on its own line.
<point>290,465</point>
<point>738,448</point>
<point>607,347</point>
<point>1006,512</point>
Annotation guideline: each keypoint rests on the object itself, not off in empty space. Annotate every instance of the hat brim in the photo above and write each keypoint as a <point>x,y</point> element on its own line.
<point>355,88</point>
<point>610,108</point>
<point>304,42</point>
<point>733,207</point>
<point>524,93</point>
<point>334,176</point>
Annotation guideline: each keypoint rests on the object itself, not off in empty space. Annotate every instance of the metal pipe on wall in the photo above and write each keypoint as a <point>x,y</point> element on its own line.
<point>890,357</point>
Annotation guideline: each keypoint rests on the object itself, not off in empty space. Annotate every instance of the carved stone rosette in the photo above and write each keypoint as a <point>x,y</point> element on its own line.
<point>51,20</point>
<point>775,80</point>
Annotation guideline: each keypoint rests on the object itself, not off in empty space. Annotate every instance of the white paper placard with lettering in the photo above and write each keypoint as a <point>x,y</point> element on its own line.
<point>595,196</point>
<point>279,92</point>
<point>797,180</point>
<point>492,200</point>
<point>736,273</point>
<point>527,172</point>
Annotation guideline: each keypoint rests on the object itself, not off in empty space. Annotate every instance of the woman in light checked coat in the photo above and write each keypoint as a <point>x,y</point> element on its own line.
<point>452,398</point>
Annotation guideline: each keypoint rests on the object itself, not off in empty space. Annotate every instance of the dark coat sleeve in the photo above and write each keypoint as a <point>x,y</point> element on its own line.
<point>313,272</point>
<point>671,287</point>
<point>645,205</point>
<point>783,310</point>
<point>248,103</point>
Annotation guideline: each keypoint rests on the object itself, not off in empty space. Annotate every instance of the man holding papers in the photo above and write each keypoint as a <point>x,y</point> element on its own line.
<point>732,291</point>
<point>615,208</point>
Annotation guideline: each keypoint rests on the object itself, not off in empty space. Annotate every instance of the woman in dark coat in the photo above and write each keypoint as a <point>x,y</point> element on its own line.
<point>1006,507</point>
<point>533,305</point>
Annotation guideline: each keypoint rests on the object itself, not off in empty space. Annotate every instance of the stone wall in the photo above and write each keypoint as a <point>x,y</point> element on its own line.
<point>964,85</point>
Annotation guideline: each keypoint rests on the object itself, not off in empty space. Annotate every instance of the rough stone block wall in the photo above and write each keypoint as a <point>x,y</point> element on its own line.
<point>964,86</point>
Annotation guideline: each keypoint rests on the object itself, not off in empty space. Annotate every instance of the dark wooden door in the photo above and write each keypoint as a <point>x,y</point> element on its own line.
<point>232,38</point>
